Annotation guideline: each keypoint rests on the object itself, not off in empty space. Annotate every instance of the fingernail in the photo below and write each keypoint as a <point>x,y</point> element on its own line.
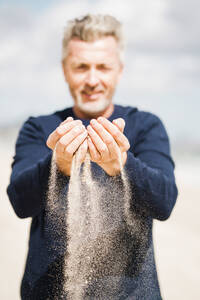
<point>100,119</point>
<point>69,118</point>
<point>61,129</point>
<point>78,122</point>
<point>77,129</point>
<point>65,125</point>
<point>93,121</point>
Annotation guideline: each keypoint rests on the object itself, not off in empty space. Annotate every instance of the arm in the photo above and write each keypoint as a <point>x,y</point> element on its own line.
<point>30,171</point>
<point>150,170</point>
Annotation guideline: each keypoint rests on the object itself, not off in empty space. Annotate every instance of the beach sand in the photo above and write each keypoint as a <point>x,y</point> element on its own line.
<point>177,243</point>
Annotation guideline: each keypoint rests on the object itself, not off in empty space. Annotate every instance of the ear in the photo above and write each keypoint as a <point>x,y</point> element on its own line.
<point>121,68</point>
<point>64,70</point>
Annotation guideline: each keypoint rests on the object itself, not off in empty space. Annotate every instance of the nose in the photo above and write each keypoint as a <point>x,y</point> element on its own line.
<point>92,77</point>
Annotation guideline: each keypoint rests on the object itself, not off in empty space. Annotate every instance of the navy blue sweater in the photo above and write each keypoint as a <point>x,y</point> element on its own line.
<point>149,168</point>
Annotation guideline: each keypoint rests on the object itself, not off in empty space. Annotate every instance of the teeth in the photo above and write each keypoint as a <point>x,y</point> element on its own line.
<point>92,93</point>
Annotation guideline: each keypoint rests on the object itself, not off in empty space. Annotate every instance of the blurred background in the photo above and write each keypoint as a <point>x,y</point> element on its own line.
<point>161,75</point>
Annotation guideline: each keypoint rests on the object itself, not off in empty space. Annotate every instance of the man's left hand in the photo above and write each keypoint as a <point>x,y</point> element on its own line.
<point>107,144</point>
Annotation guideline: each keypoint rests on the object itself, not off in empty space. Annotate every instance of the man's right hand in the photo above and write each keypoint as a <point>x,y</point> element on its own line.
<point>65,140</point>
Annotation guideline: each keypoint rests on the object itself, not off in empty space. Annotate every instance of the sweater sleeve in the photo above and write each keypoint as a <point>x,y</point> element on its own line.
<point>150,171</point>
<point>30,171</point>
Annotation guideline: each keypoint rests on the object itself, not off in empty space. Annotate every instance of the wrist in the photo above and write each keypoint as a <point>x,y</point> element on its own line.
<point>63,166</point>
<point>114,167</point>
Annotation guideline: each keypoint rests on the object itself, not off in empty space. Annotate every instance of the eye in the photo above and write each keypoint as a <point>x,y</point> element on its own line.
<point>82,67</point>
<point>103,67</point>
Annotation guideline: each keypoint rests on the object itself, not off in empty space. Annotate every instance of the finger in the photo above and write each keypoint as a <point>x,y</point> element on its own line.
<point>99,144</point>
<point>64,141</point>
<point>107,138</point>
<point>119,137</point>
<point>60,131</point>
<point>83,150</point>
<point>94,154</point>
<point>69,119</point>
<point>75,144</point>
<point>120,123</point>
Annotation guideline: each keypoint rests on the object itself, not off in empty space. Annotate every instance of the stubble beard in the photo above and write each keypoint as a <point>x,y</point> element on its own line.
<point>92,108</point>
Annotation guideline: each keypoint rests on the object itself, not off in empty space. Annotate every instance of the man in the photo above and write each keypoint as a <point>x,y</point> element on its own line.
<point>92,64</point>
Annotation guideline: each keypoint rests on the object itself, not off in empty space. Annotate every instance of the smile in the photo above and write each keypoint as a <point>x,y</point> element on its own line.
<point>92,96</point>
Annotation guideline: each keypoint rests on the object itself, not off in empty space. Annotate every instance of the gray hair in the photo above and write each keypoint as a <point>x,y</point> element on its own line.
<point>91,28</point>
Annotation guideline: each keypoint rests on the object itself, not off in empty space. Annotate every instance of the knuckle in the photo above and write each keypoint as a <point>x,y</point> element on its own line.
<point>108,141</point>
<point>79,140</point>
<point>103,148</point>
<point>126,147</point>
<point>76,130</point>
<point>58,131</point>
<point>58,152</point>
<point>61,143</point>
<point>68,152</point>
<point>115,134</point>
<point>58,147</point>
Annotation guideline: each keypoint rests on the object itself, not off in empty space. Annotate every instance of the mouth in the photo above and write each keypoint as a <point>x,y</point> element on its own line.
<point>91,96</point>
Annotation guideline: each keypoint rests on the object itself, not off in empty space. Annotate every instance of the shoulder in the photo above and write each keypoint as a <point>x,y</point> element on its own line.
<point>55,117</point>
<point>139,120</point>
<point>125,111</point>
<point>131,112</point>
<point>149,121</point>
<point>45,124</point>
<point>151,132</point>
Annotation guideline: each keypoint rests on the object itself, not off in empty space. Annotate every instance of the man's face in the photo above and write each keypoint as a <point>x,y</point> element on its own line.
<point>92,70</point>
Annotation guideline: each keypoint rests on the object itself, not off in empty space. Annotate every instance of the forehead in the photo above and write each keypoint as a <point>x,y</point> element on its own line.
<point>104,49</point>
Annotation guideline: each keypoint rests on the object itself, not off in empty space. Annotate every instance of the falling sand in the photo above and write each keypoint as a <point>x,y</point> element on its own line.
<point>95,226</point>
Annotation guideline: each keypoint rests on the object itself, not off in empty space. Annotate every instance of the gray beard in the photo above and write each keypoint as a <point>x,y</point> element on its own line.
<point>92,108</point>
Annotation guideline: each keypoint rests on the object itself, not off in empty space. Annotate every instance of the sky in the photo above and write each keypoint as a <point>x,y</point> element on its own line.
<point>162,61</point>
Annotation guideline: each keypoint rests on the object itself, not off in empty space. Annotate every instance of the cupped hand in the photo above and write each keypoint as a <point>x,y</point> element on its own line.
<point>107,144</point>
<point>65,140</point>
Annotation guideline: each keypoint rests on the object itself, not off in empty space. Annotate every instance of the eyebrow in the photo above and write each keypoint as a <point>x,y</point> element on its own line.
<point>100,64</point>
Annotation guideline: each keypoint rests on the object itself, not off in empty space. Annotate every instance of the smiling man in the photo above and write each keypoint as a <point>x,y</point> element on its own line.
<point>92,62</point>
<point>92,71</point>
